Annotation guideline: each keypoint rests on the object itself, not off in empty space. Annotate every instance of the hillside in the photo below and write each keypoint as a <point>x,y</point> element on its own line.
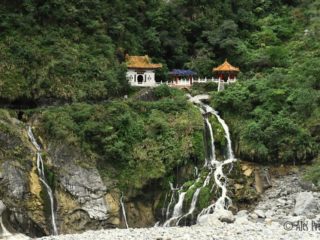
<point>62,72</point>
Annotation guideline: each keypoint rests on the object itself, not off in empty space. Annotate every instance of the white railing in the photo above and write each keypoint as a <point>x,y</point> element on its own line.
<point>182,82</point>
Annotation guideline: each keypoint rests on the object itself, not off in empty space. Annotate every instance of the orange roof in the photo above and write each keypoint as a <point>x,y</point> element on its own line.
<point>226,67</point>
<point>141,62</point>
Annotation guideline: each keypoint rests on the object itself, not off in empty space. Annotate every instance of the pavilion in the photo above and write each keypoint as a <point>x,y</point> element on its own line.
<point>141,71</point>
<point>183,77</point>
<point>226,72</point>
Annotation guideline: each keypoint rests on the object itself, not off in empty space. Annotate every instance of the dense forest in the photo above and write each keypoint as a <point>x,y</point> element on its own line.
<point>72,51</point>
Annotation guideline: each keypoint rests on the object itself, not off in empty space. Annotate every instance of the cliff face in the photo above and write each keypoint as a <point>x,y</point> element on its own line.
<point>83,201</point>
<point>20,187</point>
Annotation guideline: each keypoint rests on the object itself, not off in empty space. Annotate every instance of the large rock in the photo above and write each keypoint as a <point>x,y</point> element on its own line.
<point>225,215</point>
<point>87,187</point>
<point>305,204</point>
<point>15,180</point>
<point>260,213</point>
<point>216,218</point>
<point>83,184</point>
<point>209,220</point>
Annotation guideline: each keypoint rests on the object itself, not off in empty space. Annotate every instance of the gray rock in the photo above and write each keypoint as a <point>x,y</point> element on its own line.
<point>225,216</point>
<point>216,218</point>
<point>253,216</point>
<point>209,220</point>
<point>305,204</point>
<point>242,213</point>
<point>282,201</point>
<point>15,179</point>
<point>307,185</point>
<point>260,213</point>
<point>241,220</point>
<point>269,213</point>
<point>87,187</point>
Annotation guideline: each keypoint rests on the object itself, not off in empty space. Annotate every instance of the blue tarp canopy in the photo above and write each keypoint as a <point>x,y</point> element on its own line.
<point>182,72</point>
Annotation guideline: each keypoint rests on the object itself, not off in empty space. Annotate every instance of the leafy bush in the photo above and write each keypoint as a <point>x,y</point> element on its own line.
<point>141,140</point>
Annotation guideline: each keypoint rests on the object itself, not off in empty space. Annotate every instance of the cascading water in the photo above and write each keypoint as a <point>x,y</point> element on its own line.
<point>214,166</point>
<point>123,211</point>
<point>220,179</point>
<point>177,210</point>
<point>42,178</point>
<point>192,206</point>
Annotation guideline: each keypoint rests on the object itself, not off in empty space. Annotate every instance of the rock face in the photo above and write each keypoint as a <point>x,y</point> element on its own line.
<point>81,193</point>
<point>24,213</point>
<point>87,187</point>
<point>16,179</point>
<point>83,200</point>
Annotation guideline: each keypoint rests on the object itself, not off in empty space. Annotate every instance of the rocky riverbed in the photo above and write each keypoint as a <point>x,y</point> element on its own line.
<point>288,210</point>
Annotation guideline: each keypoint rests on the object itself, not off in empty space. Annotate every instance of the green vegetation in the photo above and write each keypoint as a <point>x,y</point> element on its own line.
<point>140,140</point>
<point>12,144</point>
<point>72,51</point>
<point>313,173</point>
<point>274,112</point>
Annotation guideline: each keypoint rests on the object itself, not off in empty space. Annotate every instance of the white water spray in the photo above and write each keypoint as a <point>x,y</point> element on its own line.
<point>214,166</point>
<point>177,210</point>
<point>220,179</point>
<point>42,178</point>
<point>123,211</point>
<point>192,206</point>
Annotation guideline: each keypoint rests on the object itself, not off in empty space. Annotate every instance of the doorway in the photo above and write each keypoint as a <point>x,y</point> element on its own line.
<point>140,79</point>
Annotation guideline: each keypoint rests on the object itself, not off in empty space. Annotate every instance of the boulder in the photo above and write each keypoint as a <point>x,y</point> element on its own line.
<point>87,187</point>
<point>219,216</point>
<point>260,213</point>
<point>242,213</point>
<point>209,220</point>
<point>269,213</point>
<point>253,216</point>
<point>305,204</point>
<point>225,216</point>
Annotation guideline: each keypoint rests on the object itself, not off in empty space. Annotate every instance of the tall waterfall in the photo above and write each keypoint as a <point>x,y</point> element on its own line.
<point>123,211</point>
<point>177,210</point>
<point>42,177</point>
<point>214,166</point>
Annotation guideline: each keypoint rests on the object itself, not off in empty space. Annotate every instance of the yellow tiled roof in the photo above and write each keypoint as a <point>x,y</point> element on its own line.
<point>226,67</point>
<point>141,62</point>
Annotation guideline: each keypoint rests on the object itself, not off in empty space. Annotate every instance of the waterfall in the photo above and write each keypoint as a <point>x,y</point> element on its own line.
<point>214,166</point>
<point>169,205</point>
<point>219,177</point>
<point>42,177</point>
<point>192,206</point>
<point>123,211</point>
<point>177,210</point>
<point>163,209</point>
<point>227,135</point>
<point>196,172</point>
<point>211,150</point>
